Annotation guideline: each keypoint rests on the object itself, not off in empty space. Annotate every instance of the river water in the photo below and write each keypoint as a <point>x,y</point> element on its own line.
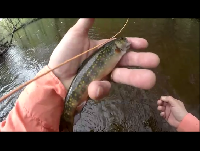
<point>176,41</point>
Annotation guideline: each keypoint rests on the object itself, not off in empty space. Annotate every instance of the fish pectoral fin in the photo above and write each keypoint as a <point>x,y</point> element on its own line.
<point>96,101</point>
<point>77,117</point>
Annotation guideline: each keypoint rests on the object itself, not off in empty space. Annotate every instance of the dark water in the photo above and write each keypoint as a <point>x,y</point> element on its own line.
<point>176,41</point>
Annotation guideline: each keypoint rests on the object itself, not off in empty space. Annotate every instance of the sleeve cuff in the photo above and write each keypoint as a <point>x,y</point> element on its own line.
<point>189,124</point>
<point>60,89</point>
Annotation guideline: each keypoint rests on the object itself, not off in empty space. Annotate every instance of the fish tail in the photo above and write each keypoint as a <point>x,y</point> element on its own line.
<point>65,126</point>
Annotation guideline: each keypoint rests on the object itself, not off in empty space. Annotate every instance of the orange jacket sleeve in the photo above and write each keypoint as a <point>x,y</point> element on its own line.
<point>39,106</point>
<point>189,124</point>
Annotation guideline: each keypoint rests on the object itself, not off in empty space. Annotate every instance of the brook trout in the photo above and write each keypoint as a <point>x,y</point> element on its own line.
<point>96,67</point>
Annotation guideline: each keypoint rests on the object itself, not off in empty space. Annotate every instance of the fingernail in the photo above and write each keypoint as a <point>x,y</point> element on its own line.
<point>163,97</point>
<point>111,77</point>
<point>99,91</point>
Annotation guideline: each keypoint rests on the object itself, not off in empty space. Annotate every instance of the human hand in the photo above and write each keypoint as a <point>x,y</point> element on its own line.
<point>172,110</point>
<point>77,41</point>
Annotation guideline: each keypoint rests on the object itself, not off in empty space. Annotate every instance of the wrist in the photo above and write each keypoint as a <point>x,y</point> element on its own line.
<point>65,81</point>
<point>182,116</point>
<point>180,119</point>
<point>189,124</point>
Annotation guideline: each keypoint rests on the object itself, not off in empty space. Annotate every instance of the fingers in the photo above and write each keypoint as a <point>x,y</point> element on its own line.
<point>145,60</point>
<point>159,102</point>
<point>173,102</point>
<point>140,78</point>
<point>161,107</point>
<point>99,89</point>
<point>96,90</point>
<point>162,114</point>
<point>138,43</point>
<point>83,24</point>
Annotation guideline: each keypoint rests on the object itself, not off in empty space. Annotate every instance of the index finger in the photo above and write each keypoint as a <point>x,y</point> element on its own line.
<point>136,43</point>
<point>141,59</point>
<point>169,99</point>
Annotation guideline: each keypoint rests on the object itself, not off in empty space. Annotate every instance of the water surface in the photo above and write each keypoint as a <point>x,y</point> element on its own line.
<point>176,41</point>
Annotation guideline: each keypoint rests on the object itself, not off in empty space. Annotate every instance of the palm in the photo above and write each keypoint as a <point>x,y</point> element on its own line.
<point>170,117</point>
<point>76,42</point>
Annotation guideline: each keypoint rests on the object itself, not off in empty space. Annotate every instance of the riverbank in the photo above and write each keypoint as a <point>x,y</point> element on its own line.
<point>4,47</point>
<point>3,50</point>
<point>21,26</point>
<point>17,28</point>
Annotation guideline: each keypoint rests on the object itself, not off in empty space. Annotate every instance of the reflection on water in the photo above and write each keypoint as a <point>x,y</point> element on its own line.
<point>176,41</point>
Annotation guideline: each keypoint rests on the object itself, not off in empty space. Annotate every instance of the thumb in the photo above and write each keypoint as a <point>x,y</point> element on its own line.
<point>170,100</point>
<point>83,24</point>
<point>99,89</point>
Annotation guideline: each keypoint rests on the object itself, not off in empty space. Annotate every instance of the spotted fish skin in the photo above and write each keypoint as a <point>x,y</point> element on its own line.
<point>97,66</point>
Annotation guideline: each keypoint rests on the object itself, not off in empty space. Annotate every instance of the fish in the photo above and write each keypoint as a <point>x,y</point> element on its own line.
<point>94,68</point>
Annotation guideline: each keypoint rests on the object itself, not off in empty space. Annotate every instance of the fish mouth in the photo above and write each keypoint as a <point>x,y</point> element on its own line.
<point>128,45</point>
